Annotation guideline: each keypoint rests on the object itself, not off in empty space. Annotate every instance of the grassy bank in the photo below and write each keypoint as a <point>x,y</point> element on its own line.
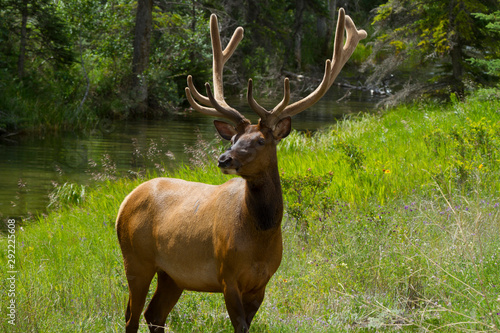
<point>392,222</point>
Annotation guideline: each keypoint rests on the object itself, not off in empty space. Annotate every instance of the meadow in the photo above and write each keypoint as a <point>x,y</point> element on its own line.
<point>392,223</point>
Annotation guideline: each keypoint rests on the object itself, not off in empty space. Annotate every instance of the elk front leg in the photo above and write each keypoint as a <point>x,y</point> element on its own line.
<point>235,308</point>
<point>251,304</point>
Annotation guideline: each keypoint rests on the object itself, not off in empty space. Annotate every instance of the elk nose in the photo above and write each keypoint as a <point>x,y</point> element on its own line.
<point>225,161</point>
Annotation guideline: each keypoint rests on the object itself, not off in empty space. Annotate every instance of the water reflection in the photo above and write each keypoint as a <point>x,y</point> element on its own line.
<point>31,166</point>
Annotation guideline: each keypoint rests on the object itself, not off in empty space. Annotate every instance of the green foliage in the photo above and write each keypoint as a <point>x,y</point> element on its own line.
<point>47,40</point>
<point>181,46</point>
<point>302,192</point>
<point>361,54</point>
<point>470,149</point>
<point>35,105</point>
<point>490,61</point>
<point>79,54</point>
<point>487,94</point>
<point>45,81</point>
<point>103,33</point>
<point>352,153</point>
<point>97,83</point>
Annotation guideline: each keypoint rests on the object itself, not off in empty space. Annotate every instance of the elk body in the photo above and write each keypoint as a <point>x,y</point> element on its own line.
<point>224,238</point>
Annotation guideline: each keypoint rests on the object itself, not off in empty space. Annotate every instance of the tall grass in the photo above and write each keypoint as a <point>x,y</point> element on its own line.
<point>392,223</point>
<point>36,107</point>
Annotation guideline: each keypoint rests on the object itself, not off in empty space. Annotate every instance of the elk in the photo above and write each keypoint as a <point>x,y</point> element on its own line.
<point>218,238</point>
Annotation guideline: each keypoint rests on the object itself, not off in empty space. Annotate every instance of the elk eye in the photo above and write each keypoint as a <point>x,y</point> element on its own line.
<point>261,141</point>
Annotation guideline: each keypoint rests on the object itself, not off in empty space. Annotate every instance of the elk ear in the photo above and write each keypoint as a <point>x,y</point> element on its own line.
<point>225,130</point>
<point>282,129</point>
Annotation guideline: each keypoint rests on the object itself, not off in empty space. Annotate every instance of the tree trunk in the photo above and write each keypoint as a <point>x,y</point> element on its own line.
<point>326,27</point>
<point>297,33</point>
<point>192,54</point>
<point>143,28</point>
<point>457,77</point>
<point>330,27</point>
<point>455,53</point>
<point>252,18</point>
<point>24,36</point>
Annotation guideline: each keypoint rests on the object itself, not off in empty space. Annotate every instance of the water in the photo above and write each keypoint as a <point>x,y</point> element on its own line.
<point>31,166</point>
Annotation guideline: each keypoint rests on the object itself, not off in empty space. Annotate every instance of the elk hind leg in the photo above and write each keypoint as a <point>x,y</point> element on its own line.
<point>138,285</point>
<point>165,297</point>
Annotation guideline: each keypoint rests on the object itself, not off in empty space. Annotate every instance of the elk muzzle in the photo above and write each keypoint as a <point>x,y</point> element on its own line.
<point>228,164</point>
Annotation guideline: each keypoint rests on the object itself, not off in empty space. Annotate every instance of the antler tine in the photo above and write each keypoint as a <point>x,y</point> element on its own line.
<point>256,107</point>
<point>286,98</point>
<point>200,108</point>
<point>220,56</point>
<point>216,106</point>
<point>192,89</point>
<point>225,110</point>
<point>269,117</point>
<point>341,53</point>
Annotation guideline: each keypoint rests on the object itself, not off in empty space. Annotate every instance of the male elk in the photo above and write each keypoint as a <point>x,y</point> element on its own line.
<point>224,238</point>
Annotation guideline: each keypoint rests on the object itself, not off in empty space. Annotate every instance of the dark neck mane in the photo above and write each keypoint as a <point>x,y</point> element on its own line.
<point>264,200</point>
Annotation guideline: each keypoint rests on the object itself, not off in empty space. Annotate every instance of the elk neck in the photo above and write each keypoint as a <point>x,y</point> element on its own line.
<point>264,199</point>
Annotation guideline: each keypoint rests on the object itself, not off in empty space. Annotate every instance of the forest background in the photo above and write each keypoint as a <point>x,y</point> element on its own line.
<point>65,64</point>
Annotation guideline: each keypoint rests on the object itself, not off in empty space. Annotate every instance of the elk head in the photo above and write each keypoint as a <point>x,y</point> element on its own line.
<point>249,141</point>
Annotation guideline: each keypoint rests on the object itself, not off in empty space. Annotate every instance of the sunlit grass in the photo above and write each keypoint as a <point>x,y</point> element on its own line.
<point>392,222</point>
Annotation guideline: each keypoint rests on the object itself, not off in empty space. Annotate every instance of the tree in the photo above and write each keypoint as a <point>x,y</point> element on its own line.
<point>431,32</point>
<point>491,61</point>
<point>23,37</point>
<point>39,34</point>
<point>140,61</point>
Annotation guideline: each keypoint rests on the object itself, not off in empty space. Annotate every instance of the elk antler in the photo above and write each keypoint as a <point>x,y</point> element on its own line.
<point>215,103</point>
<point>341,53</point>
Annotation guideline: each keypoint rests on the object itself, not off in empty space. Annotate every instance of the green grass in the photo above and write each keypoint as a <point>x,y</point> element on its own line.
<point>34,106</point>
<point>392,223</point>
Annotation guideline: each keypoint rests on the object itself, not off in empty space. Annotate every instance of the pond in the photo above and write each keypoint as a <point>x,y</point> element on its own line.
<point>32,166</point>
